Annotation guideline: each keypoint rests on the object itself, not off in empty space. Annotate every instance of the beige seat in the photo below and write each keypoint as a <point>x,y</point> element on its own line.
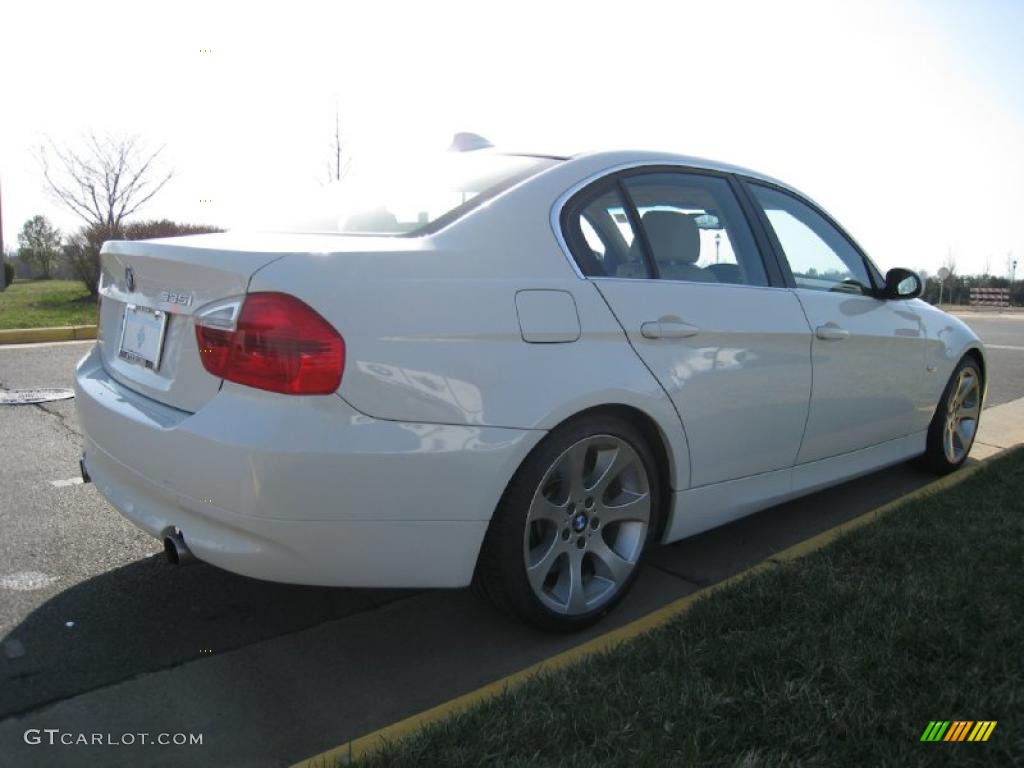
<point>675,243</point>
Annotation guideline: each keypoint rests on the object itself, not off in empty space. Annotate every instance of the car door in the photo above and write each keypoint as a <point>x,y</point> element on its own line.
<point>675,258</point>
<point>868,353</point>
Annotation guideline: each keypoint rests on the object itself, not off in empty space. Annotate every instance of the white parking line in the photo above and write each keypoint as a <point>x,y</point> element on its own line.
<point>65,483</point>
<point>989,315</point>
<point>25,581</point>
<point>1004,346</point>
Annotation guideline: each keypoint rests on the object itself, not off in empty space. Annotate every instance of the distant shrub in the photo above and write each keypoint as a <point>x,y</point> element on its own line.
<point>8,272</point>
<point>83,247</point>
<point>147,230</point>
<point>39,245</point>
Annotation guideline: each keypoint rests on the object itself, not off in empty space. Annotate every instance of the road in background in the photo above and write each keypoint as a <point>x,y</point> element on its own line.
<point>1003,335</point>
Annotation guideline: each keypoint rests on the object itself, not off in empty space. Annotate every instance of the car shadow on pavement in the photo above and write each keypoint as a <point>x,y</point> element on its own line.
<point>722,552</point>
<point>150,615</point>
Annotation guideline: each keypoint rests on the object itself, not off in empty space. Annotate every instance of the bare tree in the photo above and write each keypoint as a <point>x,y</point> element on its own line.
<point>104,181</point>
<point>339,162</point>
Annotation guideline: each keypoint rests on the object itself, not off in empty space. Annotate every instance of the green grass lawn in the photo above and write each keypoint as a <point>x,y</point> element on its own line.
<point>840,658</point>
<point>43,303</point>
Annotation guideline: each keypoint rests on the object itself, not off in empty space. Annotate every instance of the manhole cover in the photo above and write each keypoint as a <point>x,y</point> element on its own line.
<point>26,396</point>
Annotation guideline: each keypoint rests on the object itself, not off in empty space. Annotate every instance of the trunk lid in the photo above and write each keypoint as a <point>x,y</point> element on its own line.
<point>167,282</point>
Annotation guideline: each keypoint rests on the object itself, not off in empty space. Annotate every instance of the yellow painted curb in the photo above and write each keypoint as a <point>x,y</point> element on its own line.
<point>825,538</point>
<point>362,746</point>
<point>34,335</point>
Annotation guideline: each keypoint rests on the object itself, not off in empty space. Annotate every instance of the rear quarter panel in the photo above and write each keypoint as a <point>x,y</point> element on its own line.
<point>430,339</point>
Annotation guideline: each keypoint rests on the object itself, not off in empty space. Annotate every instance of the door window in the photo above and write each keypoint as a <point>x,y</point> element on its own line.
<point>819,255</point>
<point>693,227</point>
<point>695,230</point>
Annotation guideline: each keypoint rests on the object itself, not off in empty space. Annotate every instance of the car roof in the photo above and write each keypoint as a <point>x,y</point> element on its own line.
<point>609,159</point>
<point>650,157</point>
<point>595,163</point>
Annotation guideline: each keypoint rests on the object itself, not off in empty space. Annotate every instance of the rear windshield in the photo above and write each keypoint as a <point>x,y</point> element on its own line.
<point>413,198</point>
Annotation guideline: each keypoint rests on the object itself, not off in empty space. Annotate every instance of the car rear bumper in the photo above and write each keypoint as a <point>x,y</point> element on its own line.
<point>298,489</point>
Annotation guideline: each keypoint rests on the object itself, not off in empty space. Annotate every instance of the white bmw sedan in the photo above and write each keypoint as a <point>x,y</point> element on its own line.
<point>520,371</point>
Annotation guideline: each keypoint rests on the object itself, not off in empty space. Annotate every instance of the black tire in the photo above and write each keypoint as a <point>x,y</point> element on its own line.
<point>501,574</point>
<point>935,458</point>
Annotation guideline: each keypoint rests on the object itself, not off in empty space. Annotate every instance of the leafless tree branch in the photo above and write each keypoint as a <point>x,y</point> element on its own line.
<point>106,181</point>
<point>339,163</point>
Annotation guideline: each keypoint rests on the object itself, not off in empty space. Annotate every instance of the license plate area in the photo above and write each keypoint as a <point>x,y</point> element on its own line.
<point>142,336</point>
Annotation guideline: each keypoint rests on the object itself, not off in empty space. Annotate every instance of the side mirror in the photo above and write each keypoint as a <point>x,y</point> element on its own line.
<point>902,284</point>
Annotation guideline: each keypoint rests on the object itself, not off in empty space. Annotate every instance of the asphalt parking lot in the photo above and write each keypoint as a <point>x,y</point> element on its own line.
<point>98,632</point>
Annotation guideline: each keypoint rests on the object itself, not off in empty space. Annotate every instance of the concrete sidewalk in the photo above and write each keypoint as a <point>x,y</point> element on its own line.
<point>1002,427</point>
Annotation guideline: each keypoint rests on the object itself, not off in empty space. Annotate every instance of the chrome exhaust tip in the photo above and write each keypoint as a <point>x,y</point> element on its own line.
<point>176,550</point>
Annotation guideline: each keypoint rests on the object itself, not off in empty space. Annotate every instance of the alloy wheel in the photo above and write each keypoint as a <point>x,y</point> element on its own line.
<point>963,409</point>
<point>587,524</point>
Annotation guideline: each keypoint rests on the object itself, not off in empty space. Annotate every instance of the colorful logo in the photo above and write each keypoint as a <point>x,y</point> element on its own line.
<point>958,730</point>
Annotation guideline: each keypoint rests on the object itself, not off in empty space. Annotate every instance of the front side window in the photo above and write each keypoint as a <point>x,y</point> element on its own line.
<point>819,256</point>
<point>693,230</point>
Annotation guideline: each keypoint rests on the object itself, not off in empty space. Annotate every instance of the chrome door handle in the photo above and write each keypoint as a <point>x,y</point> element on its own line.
<point>831,332</point>
<point>668,329</point>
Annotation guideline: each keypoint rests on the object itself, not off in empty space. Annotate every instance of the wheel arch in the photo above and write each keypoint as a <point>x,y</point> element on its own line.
<point>659,445</point>
<point>978,355</point>
<point>656,439</point>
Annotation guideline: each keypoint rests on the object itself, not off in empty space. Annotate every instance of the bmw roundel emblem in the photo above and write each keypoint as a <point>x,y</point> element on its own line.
<point>129,278</point>
<point>579,522</point>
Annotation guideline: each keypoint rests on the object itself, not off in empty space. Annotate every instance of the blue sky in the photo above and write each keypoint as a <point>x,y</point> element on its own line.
<point>986,38</point>
<point>905,119</point>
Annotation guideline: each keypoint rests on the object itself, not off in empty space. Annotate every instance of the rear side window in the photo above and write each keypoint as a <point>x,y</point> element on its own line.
<point>819,255</point>
<point>601,234</point>
<point>692,229</point>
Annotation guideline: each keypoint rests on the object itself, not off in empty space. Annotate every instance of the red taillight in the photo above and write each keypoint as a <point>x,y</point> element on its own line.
<point>279,344</point>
